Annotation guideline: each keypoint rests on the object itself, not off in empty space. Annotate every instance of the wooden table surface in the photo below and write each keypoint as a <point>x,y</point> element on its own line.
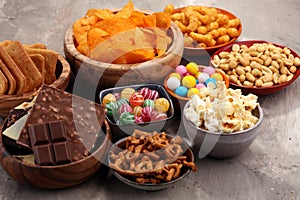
<point>268,169</point>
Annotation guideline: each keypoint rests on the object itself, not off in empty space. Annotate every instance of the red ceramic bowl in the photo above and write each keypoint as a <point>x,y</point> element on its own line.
<point>193,51</point>
<point>254,89</point>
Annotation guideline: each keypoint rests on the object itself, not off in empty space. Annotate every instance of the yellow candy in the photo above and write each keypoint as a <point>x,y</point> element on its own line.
<point>178,76</point>
<point>127,92</point>
<point>108,98</point>
<point>217,76</point>
<point>192,68</point>
<point>162,104</point>
<point>189,81</point>
<point>192,91</point>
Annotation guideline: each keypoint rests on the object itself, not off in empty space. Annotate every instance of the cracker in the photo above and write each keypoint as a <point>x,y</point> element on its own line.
<point>50,62</point>
<point>39,62</point>
<point>5,43</point>
<point>20,56</point>
<point>15,71</point>
<point>35,46</point>
<point>3,83</point>
<point>11,82</point>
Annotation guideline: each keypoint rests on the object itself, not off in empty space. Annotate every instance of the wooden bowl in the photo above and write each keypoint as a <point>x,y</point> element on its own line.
<point>54,177</point>
<point>193,51</point>
<point>63,72</point>
<point>253,89</point>
<point>107,75</point>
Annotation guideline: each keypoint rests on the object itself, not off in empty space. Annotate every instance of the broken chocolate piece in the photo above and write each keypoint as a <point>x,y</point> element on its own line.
<point>49,143</point>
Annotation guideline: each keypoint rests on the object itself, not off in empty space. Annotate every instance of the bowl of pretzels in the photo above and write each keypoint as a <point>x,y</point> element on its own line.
<point>151,160</point>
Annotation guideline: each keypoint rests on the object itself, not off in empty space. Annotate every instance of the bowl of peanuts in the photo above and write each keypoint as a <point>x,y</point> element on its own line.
<point>151,161</point>
<point>205,29</point>
<point>257,66</point>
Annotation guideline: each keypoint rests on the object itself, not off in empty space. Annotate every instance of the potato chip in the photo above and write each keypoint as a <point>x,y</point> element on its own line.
<point>83,48</point>
<point>140,55</point>
<point>149,21</point>
<point>126,11</point>
<point>104,14</point>
<point>162,20</point>
<point>95,36</point>
<point>137,18</point>
<point>119,25</point>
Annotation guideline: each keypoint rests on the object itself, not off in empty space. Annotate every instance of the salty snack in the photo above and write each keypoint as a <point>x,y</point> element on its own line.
<point>150,158</point>
<point>222,110</point>
<point>123,37</point>
<point>204,26</point>
<point>259,65</point>
<point>26,67</point>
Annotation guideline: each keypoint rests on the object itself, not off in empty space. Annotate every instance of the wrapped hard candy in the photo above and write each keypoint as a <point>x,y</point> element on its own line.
<point>126,118</point>
<point>136,99</point>
<point>117,95</point>
<point>162,104</point>
<point>138,119</point>
<point>112,109</point>
<point>124,108</point>
<point>127,92</point>
<point>148,102</point>
<point>122,101</point>
<point>157,116</point>
<point>146,113</point>
<point>154,95</point>
<point>146,92</point>
<point>137,110</point>
<point>108,98</point>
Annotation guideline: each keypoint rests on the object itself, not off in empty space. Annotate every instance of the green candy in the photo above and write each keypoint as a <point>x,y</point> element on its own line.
<point>148,102</point>
<point>126,118</point>
<point>112,109</point>
<point>122,101</point>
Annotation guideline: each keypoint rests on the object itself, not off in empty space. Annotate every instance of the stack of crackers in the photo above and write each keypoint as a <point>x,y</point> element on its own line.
<point>24,68</point>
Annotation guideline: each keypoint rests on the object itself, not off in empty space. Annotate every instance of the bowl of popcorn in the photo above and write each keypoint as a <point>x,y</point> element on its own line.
<point>151,160</point>
<point>121,47</point>
<point>205,29</point>
<point>222,122</point>
<point>191,79</point>
<point>257,66</point>
<point>146,107</point>
<point>56,140</point>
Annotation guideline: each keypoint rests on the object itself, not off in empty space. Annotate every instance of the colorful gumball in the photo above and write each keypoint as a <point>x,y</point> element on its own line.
<point>176,75</point>
<point>146,113</point>
<point>173,83</point>
<point>127,92</point>
<point>157,116</point>
<point>136,99</point>
<point>209,70</point>
<point>181,91</point>
<point>137,110</point>
<point>126,118</point>
<point>124,108</point>
<point>192,68</point>
<point>192,91</point>
<point>148,102</point>
<point>122,101</point>
<point>202,77</point>
<point>180,69</point>
<point>162,104</point>
<point>138,119</point>
<point>108,98</point>
<point>146,92</point>
<point>112,109</point>
<point>189,81</point>
<point>154,95</point>
<point>217,76</point>
<point>200,85</point>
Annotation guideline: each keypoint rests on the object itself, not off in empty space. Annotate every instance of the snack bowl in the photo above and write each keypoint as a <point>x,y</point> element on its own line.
<point>63,73</point>
<point>21,167</point>
<point>207,51</point>
<point>264,90</point>
<point>179,101</point>
<point>129,179</point>
<point>221,145</point>
<point>107,75</point>
<point>120,131</point>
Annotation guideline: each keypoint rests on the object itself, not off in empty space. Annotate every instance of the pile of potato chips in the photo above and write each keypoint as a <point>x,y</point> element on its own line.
<point>124,37</point>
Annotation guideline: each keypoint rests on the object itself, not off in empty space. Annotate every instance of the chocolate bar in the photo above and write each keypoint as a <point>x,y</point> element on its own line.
<point>49,143</point>
<point>83,119</point>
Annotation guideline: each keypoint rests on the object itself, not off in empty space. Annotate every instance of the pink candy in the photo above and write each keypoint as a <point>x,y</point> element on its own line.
<point>209,70</point>
<point>180,69</point>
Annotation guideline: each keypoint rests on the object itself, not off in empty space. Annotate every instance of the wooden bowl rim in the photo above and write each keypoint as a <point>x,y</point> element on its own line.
<point>222,11</point>
<point>65,75</point>
<point>225,78</point>
<point>108,137</point>
<point>261,90</point>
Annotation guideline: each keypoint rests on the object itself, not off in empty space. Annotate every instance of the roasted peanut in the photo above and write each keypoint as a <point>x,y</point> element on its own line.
<point>233,78</point>
<point>235,48</point>
<point>297,61</point>
<point>247,83</point>
<point>233,64</point>
<point>293,69</point>
<point>282,79</point>
<point>242,77</point>
<point>250,77</point>
<point>275,77</point>
<point>283,70</point>
<point>244,61</point>
<point>258,83</point>
<point>256,72</point>
<point>274,64</point>
<point>240,70</point>
<point>267,84</point>
<point>267,78</point>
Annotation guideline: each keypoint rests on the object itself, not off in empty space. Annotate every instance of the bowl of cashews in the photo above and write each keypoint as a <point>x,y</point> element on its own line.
<point>150,160</point>
<point>257,66</point>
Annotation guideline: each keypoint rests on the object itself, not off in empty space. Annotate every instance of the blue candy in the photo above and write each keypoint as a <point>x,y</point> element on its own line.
<point>181,91</point>
<point>210,80</point>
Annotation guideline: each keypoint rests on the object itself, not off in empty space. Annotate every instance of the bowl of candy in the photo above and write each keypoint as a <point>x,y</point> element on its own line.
<point>223,123</point>
<point>157,160</point>
<point>121,47</point>
<point>257,66</point>
<point>205,29</point>
<point>191,79</point>
<point>40,146</point>
<point>147,107</point>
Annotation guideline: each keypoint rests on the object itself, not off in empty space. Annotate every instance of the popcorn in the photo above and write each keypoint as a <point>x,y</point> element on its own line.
<point>219,109</point>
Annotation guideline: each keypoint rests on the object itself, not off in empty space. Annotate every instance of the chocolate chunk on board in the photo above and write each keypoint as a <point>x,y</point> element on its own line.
<point>83,119</point>
<point>49,143</point>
